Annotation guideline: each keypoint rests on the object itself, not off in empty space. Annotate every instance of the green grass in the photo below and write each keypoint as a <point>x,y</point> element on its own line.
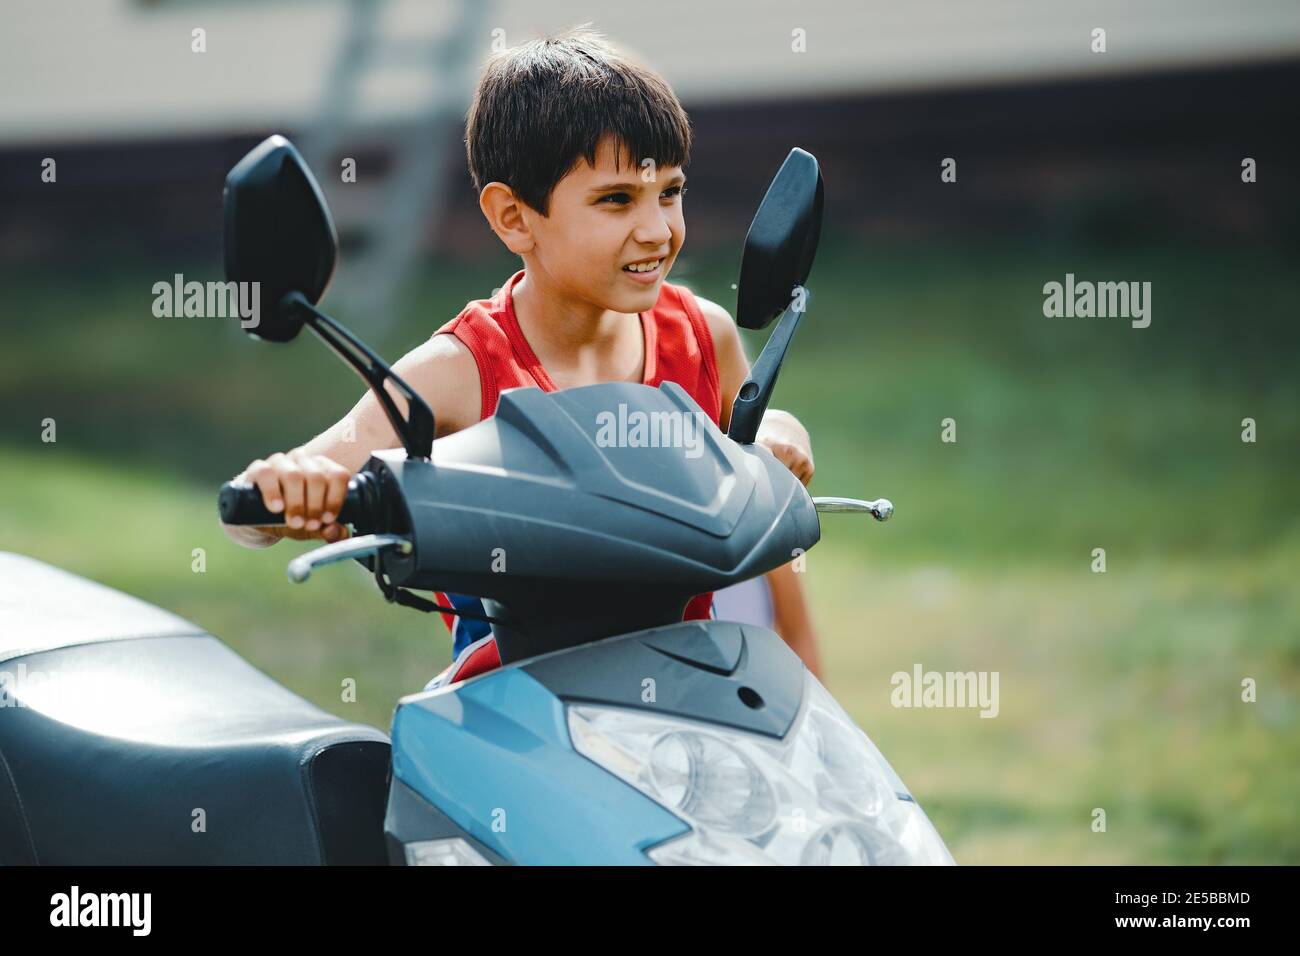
<point>1119,690</point>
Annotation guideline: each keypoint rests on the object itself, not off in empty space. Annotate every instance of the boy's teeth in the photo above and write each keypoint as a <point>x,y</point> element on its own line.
<point>643,267</point>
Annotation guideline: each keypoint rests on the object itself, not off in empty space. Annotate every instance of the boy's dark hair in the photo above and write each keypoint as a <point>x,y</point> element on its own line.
<point>543,104</point>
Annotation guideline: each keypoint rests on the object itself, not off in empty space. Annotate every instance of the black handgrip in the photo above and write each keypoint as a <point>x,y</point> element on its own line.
<point>242,504</point>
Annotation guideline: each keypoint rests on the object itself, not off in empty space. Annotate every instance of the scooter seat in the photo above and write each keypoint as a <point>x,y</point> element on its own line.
<point>131,736</point>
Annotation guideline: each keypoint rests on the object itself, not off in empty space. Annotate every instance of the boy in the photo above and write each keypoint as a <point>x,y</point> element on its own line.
<point>577,156</point>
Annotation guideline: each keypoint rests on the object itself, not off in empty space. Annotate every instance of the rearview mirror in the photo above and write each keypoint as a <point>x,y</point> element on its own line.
<point>781,243</point>
<point>278,232</point>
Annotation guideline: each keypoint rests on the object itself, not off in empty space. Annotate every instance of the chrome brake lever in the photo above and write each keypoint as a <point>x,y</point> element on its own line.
<point>881,509</point>
<point>301,567</point>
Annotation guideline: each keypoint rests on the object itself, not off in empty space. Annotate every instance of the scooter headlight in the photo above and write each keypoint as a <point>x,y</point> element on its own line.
<point>847,781</point>
<point>846,844</point>
<point>452,851</point>
<point>703,777</point>
<point>823,795</point>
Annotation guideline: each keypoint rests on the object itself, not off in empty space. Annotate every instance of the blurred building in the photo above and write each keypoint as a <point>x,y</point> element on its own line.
<point>1050,137</point>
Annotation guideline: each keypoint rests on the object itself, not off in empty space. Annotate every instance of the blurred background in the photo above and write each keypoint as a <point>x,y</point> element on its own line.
<point>1119,690</point>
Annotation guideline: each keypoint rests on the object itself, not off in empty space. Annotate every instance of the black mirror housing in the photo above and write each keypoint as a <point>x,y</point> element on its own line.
<point>278,232</point>
<point>782,241</point>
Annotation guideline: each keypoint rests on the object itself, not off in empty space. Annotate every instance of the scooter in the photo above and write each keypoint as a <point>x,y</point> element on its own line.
<point>613,733</point>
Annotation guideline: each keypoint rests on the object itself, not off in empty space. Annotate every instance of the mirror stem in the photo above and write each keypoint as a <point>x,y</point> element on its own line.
<point>750,403</point>
<point>417,429</point>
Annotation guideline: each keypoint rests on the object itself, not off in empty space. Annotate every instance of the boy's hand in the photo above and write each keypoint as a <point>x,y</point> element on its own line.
<point>309,489</point>
<point>788,440</point>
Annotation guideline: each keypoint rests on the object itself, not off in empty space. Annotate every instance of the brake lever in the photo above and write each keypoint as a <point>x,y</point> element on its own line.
<point>881,509</point>
<point>301,567</point>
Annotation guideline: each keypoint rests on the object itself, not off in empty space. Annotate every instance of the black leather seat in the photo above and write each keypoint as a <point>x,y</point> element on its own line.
<point>130,736</point>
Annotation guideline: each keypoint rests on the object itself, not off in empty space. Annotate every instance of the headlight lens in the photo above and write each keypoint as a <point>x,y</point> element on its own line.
<point>824,795</point>
<point>705,778</point>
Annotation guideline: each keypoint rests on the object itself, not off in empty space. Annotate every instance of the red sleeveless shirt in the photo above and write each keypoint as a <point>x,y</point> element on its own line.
<point>678,348</point>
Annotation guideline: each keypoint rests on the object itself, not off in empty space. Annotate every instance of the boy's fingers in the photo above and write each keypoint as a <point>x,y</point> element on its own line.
<point>334,532</point>
<point>336,493</point>
<point>268,483</point>
<point>309,490</point>
<point>314,495</point>
<point>291,482</point>
<point>794,459</point>
<point>802,467</point>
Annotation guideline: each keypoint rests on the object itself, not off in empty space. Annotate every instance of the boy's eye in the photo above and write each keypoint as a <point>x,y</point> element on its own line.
<point>622,199</point>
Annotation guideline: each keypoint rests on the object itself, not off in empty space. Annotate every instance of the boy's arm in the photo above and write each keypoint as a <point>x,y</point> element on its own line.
<point>780,431</point>
<point>791,618</point>
<point>788,440</point>
<point>309,482</point>
<point>442,371</point>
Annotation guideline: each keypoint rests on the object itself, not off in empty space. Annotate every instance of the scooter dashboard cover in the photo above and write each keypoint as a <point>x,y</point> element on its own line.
<point>615,483</point>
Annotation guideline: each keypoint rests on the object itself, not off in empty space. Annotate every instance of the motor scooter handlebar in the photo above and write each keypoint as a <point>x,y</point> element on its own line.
<point>240,503</point>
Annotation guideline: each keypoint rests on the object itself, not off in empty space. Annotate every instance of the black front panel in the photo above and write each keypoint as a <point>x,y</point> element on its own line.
<point>722,672</point>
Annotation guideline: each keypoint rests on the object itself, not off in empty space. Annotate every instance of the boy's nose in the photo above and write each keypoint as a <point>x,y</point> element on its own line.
<point>652,229</point>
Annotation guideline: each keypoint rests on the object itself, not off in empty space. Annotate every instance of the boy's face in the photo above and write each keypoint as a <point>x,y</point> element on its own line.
<point>603,218</point>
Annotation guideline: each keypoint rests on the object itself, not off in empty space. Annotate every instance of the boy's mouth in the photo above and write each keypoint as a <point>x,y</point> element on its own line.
<point>644,272</point>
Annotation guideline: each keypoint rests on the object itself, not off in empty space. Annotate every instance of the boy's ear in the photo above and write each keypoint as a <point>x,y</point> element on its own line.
<point>504,212</point>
